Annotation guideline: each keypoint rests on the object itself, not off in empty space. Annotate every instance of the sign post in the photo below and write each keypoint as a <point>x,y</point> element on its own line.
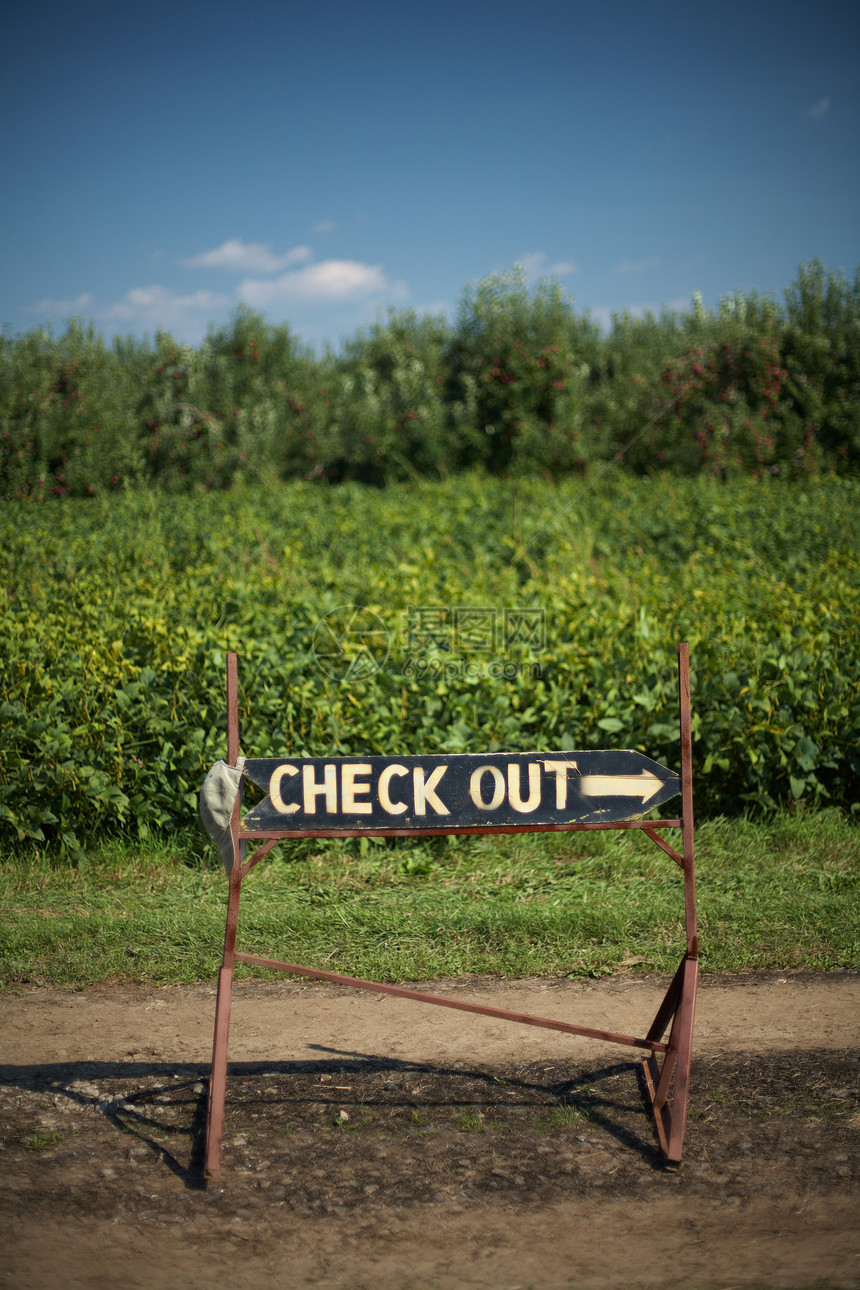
<point>465,793</point>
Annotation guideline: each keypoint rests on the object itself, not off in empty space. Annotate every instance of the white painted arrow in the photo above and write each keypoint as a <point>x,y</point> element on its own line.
<point>644,785</point>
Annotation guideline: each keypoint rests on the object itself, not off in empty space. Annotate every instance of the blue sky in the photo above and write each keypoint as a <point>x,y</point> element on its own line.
<point>324,163</point>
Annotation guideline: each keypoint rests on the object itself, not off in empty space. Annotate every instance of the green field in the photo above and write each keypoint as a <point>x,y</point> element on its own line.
<point>509,615</point>
<point>118,613</point>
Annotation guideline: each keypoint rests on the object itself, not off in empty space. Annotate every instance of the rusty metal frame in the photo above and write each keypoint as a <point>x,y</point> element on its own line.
<point>666,1067</point>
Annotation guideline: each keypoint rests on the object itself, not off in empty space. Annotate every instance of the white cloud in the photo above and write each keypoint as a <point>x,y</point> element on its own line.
<point>534,265</point>
<point>61,307</point>
<point>819,109</point>
<point>159,306</point>
<point>637,266</point>
<point>325,226</point>
<point>328,280</point>
<point>247,257</point>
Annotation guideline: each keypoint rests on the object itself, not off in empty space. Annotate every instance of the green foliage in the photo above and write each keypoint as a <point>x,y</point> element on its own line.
<point>518,385</point>
<point>388,419</point>
<point>117,613</point>
<point>67,408</point>
<point>719,412</point>
<point>519,367</point>
<point>821,348</point>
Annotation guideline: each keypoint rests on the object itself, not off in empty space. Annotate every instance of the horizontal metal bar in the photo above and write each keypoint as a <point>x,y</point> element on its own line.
<point>249,834</point>
<point>419,996</point>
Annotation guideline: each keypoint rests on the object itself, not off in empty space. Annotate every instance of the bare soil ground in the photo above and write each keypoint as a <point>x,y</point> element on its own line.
<point>372,1142</point>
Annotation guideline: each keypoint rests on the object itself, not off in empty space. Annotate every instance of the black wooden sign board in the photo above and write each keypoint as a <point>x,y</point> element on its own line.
<point>457,791</point>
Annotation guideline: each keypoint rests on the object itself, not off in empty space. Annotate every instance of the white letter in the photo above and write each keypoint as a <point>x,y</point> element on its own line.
<point>561,768</point>
<point>498,788</point>
<point>393,808</point>
<point>349,788</point>
<point>514,787</point>
<point>424,792</point>
<point>312,790</point>
<point>275,790</point>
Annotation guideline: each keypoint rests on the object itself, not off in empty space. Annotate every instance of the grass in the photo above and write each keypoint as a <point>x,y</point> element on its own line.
<point>470,1122</point>
<point>568,1117</point>
<point>779,894</point>
<point>39,1141</point>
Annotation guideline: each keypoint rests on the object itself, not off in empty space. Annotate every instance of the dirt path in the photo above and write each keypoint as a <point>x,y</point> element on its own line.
<point>377,1143</point>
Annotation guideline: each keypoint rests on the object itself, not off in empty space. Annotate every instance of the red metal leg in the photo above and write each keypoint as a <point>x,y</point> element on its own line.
<point>218,1077</point>
<point>670,1117</point>
<point>687,1016</point>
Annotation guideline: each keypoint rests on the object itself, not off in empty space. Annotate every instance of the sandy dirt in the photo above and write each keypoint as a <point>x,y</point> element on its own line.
<point>372,1142</point>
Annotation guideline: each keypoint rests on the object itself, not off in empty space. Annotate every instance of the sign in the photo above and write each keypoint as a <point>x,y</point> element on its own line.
<point>459,791</point>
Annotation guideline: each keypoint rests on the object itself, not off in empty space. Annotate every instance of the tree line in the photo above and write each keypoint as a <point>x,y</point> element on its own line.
<point>519,383</point>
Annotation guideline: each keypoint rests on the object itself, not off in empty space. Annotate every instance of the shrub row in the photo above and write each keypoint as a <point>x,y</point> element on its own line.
<point>475,614</point>
<point>518,384</point>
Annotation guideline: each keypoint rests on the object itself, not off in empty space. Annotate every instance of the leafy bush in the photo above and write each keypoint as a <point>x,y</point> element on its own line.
<point>719,412</point>
<point>519,367</point>
<point>67,408</point>
<point>821,349</point>
<point>388,417</point>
